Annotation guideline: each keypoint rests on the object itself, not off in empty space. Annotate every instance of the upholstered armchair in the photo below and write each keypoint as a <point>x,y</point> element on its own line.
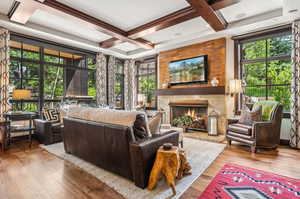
<point>262,134</point>
<point>49,128</point>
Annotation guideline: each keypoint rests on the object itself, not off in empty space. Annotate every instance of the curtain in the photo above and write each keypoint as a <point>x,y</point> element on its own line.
<point>295,88</point>
<point>101,80</point>
<point>4,71</point>
<point>130,85</point>
<point>111,81</point>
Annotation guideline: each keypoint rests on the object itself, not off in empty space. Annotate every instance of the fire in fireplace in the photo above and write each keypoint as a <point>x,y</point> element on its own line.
<point>191,115</point>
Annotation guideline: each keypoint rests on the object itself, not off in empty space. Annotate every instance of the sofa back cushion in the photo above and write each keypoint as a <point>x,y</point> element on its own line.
<point>108,116</point>
<point>267,109</point>
<point>133,119</point>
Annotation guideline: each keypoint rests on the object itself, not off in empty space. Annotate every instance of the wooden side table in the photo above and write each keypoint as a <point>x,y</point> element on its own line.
<point>167,162</point>
<point>20,116</point>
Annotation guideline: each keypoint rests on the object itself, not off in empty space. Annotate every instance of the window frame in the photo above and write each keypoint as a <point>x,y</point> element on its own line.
<point>148,60</point>
<point>42,64</point>
<point>239,61</point>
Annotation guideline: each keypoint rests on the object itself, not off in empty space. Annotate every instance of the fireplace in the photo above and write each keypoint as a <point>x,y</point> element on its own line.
<point>192,115</point>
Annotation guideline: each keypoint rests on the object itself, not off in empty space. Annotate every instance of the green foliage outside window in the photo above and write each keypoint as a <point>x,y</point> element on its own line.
<point>267,69</point>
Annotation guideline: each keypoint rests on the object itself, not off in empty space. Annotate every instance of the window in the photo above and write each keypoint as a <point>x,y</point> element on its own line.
<point>147,83</point>
<point>119,84</point>
<point>51,73</point>
<point>266,68</point>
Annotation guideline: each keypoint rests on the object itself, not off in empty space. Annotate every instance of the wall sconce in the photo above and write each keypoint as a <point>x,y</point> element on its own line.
<point>235,87</point>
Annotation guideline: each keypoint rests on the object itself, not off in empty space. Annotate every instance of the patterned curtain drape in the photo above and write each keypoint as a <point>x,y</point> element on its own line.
<point>101,80</point>
<point>130,85</point>
<point>111,81</point>
<point>295,106</point>
<point>4,71</point>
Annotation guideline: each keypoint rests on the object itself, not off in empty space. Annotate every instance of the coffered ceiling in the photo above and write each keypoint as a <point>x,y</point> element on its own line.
<point>135,28</point>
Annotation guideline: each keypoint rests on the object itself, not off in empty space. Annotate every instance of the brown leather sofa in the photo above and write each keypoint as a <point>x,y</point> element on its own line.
<point>264,134</point>
<point>114,147</point>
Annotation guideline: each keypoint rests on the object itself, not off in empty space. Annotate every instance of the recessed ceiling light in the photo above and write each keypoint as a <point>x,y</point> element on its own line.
<point>241,15</point>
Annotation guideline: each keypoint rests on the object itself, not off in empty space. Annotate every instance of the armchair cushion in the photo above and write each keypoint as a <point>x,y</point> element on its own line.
<point>52,115</point>
<point>267,108</point>
<point>241,128</point>
<point>248,117</point>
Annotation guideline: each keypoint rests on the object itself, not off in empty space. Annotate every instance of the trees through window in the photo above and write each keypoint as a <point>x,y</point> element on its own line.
<point>266,68</point>
<point>50,72</point>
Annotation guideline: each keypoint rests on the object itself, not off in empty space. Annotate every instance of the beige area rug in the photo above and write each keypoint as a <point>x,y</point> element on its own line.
<point>200,155</point>
<point>205,137</point>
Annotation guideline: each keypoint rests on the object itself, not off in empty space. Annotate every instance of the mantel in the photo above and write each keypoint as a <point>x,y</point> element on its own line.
<point>219,90</point>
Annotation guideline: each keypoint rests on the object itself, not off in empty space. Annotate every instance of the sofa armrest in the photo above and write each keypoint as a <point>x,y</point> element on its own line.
<point>43,130</point>
<point>143,156</point>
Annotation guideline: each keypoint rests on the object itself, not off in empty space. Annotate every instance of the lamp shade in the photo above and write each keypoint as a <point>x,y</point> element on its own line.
<point>141,98</point>
<point>235,86</point>
<point>21,94</point>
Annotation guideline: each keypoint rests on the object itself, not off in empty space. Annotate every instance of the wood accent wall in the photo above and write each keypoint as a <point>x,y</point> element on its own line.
<point>216,51</point>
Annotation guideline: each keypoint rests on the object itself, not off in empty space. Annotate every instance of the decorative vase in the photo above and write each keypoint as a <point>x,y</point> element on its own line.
<point>214,82</point>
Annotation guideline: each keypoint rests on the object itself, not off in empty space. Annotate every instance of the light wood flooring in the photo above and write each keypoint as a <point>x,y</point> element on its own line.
<point>33,173</point>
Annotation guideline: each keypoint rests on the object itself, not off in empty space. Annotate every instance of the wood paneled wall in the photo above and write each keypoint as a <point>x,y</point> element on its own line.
<point>216,51</point>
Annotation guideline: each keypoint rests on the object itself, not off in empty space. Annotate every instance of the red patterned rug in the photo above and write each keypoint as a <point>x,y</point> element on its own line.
<point>238,182</point>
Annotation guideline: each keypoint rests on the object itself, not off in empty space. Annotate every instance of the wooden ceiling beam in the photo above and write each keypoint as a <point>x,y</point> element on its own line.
<point>167,21</point>
<point>220,4</point>
<point>163,22</point>
<point>156,25</point>
<point>103,26</point>
<point>208,14</point>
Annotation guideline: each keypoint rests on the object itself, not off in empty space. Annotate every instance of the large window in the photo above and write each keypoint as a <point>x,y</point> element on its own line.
<point>51,73</point>
<point>119,83</point>
<point>147,82</point>
<point>266,67</point>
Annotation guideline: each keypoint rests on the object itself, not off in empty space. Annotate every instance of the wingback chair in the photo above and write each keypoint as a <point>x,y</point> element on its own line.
<point>263,134</point>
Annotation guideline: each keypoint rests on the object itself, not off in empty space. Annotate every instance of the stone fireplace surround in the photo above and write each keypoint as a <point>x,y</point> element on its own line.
<point>215,102</point>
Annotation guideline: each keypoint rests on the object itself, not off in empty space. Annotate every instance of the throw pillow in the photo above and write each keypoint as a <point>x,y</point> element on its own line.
<point>51,115</point>
<point>248,117</point>
<point>140,127</point>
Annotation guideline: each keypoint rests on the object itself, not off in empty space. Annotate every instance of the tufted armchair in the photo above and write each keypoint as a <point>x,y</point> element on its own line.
<point>263,134</point>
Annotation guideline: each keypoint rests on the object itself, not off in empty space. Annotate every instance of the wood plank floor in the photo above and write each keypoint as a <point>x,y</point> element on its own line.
<point>34,173</point>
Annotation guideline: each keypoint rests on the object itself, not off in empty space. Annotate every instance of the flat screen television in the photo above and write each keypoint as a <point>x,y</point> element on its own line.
<point>189,71</point>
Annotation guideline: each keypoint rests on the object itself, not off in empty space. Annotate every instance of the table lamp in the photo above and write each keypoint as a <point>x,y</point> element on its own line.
<point>21,94</point>
<point>235,87</point>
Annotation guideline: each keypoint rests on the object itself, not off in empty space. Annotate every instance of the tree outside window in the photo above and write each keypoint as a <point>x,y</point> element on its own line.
<point>146,77</point>
<point>266,68</point>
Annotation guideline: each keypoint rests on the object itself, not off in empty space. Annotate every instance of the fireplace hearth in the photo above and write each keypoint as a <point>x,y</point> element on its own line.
<point>191,115</point>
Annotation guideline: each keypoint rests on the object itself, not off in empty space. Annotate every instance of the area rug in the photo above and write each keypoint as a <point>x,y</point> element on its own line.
<point>238,182</point>
<point>200,155</point>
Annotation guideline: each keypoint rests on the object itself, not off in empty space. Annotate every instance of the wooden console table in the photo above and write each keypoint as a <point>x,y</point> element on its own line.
<point>20,116</point>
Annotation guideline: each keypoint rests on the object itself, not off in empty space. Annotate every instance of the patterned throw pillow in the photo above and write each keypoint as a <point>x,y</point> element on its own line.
<point>248,117</point>
<point>51,115</point>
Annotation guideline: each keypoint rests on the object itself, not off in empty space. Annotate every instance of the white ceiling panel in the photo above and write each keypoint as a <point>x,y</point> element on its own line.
<point>196,25</point>
<point>126,14</point>
<point>249,8</point>
<point>5,6</point>
<point>66,25</point>
<point>126,47</point>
